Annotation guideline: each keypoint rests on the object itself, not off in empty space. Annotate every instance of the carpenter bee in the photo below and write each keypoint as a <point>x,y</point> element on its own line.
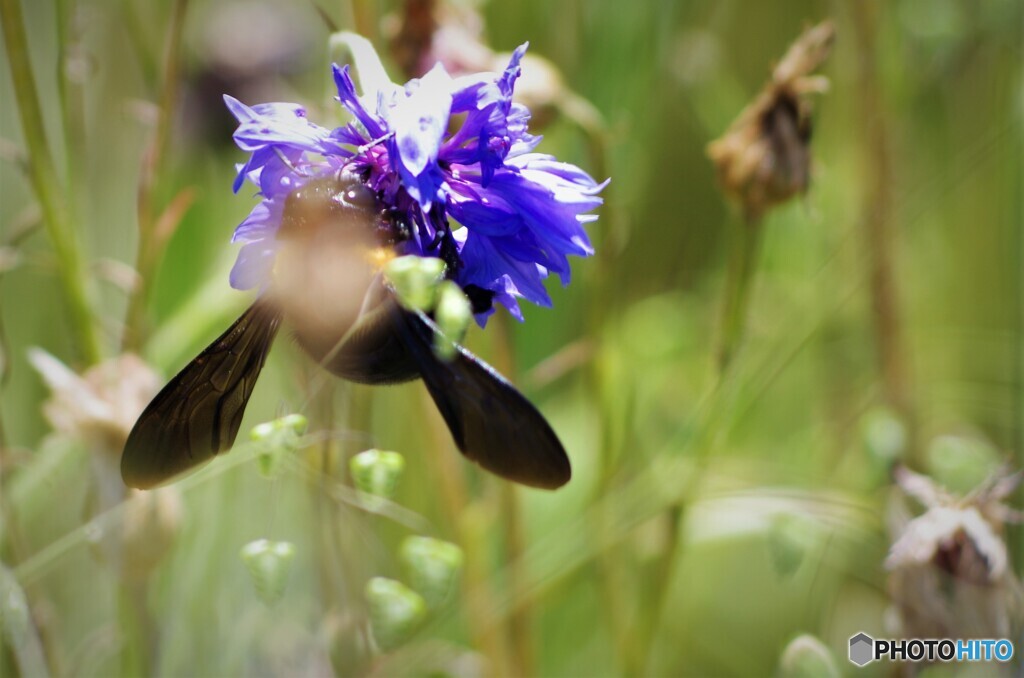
<point>332,231</point>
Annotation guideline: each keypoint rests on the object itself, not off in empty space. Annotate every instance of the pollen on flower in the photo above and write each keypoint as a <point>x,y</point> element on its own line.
<point>379,257</point>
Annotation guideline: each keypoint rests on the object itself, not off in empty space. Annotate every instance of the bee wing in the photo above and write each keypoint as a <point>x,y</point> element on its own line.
<point>372,352</point>
<point>492,423</point>
<point>198,413</point>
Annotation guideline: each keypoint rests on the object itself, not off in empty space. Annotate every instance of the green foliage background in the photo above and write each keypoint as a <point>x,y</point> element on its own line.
<point>707,523</point>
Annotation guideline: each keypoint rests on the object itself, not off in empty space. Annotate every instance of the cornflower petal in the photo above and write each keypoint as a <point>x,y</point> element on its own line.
<point>254,264</point>
<point>436,149</point>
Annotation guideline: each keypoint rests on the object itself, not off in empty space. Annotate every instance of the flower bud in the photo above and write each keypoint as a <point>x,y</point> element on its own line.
<point>807,657</point>
<point>377,472</point>
<point>276,439</point>
<point>960,463</point>
<point>416,280</point>
<point>395,611</point>
<point>269,563</point>
<point>790,537</point>
<point>433,567</point>
<point>884,437</point>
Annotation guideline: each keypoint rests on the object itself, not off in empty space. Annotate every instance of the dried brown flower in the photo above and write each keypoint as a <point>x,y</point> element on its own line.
<point>950,572</point>
<point>764,157</point>
<point>425,32</point>
<point>100,406</point>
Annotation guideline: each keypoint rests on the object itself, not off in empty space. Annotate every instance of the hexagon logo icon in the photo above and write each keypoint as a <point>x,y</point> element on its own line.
<point>861,649</point>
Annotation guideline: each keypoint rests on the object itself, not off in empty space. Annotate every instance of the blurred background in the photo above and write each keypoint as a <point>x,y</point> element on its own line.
<point>730,516</point>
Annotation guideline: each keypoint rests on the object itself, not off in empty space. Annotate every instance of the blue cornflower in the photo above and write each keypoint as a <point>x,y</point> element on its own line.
<point>439,152</point>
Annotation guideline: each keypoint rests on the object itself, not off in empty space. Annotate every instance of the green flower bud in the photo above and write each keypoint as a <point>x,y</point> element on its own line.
<point>452,314</point>
<point>416,279</point>
<point>885,438</point>
<point>790,537</point>
<point>433,567</point>
<point>269,563</point>
<point>275,440</point>
<point>960,463</point>
<point>807,657</point>
<point>395,611</point>
<point>377,472</point>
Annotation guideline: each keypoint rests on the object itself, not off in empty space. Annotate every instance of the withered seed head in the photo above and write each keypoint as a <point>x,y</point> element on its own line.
<point>764,157</point>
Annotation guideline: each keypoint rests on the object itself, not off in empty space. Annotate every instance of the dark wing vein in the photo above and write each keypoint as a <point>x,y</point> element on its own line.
<point>198,413</point>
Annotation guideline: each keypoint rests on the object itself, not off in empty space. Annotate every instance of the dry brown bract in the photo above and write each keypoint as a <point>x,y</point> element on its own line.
<point>764,157</point>
<point>100,406</point>
<point>425,32</point>
<point>951,576</point>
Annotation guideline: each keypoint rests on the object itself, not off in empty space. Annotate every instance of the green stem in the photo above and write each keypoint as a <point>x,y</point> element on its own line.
<point>135,625</point>
<point>148,254</point>
<point>137,34</point>
<point>71,102</point>
<point>21,634</point>
<point>43,175</point>
<point>612,567</point>
<point>742,265</point>
<point>879,229</point>
<point>519,622</point>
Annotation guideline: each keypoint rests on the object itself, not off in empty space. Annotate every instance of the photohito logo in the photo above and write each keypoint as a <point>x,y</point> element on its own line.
<point>865,649</point>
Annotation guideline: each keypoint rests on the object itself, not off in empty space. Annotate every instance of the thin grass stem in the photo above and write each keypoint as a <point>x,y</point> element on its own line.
<point>45,183</point>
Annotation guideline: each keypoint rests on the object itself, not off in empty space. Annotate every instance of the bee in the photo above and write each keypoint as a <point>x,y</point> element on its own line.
<point>327,287</point>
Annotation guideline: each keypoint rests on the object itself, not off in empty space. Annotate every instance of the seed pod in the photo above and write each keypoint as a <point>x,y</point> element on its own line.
<point>790,538</point>
<point>807,657</point>
<point>269,563</point>
<point>884,437</point>
<point>395,611</point>
<point>452,314</point>
<point>433,567</point>
<point>416,280</point>
<point>276,439</point>
<point>377,472</point>
<point>962,462</point>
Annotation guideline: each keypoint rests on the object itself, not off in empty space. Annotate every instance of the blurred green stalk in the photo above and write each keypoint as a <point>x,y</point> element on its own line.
<point>742,264</point>
<point>72,104</point>
<point>520,620</point>
<point>879,226</point>
<point>18,630</point>
<point>743,259</point>
<point>151,237</point>
<point>43,175</point>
